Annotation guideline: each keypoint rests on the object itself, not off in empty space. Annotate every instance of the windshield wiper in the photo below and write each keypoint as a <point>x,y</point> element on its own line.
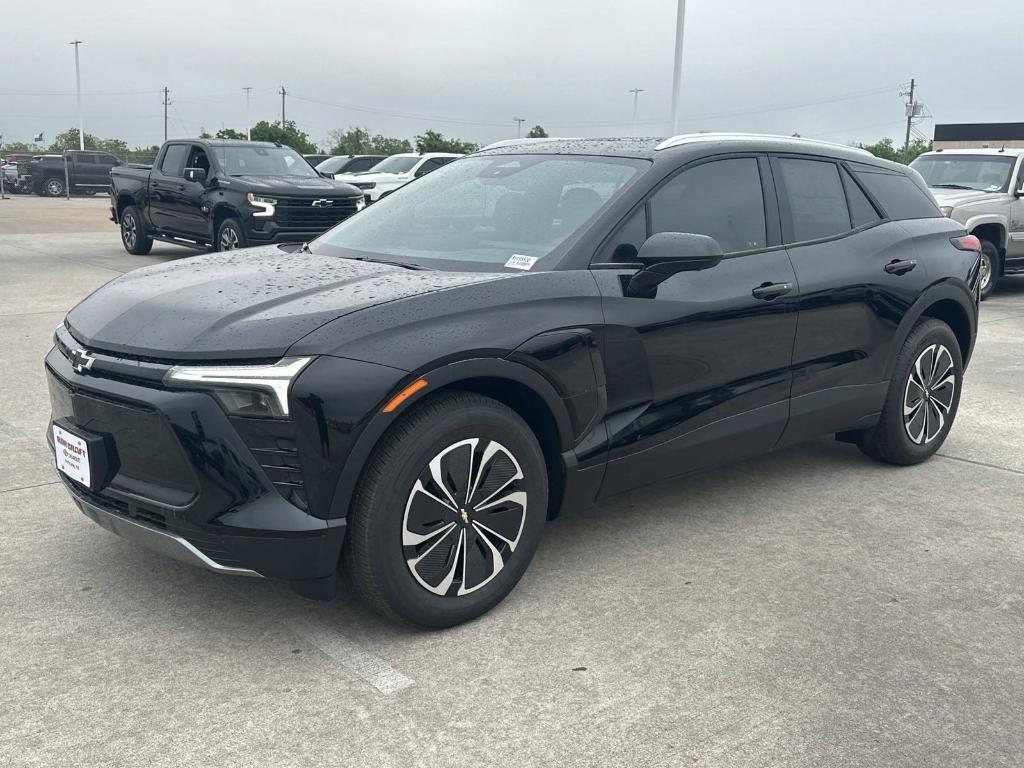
<point>953,186</point>
<point>402,264</point>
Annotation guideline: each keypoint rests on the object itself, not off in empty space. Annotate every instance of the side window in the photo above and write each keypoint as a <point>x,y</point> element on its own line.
<point>898,194</point>
<point>722,199</point>
<point>817,202</point>
<point>625,243</point>
<point>87,159</point>
<point>107,160</point>
<point>360,165</point>
<point>428,165</point>
<point>862,212</point>
<point>197,159</point>
<point>173,163</point>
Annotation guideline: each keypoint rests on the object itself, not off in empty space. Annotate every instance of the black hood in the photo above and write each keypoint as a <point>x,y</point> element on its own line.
<point>292,186</point>
<point>245,304</point>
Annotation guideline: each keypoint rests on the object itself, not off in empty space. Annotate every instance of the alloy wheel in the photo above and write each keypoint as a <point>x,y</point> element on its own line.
<point>54,188</point>
<point>464,517</point>
<point>986,271</point>
<point>228,239</point>
<point>928,396</point>
<point>129,230</point>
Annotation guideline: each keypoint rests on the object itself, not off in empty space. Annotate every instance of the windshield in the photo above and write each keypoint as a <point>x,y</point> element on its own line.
<point>486,213</point>
<point>396,164</point>
<point>985,173</point>
<point>332,164</point>
<point>262,161</point>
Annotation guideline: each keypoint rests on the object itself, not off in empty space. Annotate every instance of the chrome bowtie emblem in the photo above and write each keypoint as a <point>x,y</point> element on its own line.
<point>81,360</point>
<point>322,203</point>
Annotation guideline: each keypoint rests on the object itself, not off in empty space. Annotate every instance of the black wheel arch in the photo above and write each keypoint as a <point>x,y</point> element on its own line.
<point>533,397</point>
<point>952,303</point>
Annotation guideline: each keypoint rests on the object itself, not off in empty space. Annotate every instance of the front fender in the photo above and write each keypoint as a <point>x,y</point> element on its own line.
<point>973,222</point>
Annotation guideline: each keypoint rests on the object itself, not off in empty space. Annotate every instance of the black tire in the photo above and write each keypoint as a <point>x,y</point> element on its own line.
<point>230,235</point>
<point>134,236</point>
<point>989,268</point>
<point>54,187</point>
<point>904,435</point>
<point>421,582</point>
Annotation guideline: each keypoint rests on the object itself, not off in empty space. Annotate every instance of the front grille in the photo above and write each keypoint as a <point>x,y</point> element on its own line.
<point>147,450</point>
<point>273,445</point>
<point>130,509</point>
<point>300,213</point>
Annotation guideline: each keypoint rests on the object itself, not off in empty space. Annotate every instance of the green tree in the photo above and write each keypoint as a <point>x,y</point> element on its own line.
<point>433,141</point>
<point>537,132</point>
<point>205,135</point>
<point>917,147</point>
<point>69,140</point>
<point>884,149</point>
<point>389,145</point>
<point>288,134</point>
<point>20,147</point>
<point>352,141</point>
<point>230,133</point>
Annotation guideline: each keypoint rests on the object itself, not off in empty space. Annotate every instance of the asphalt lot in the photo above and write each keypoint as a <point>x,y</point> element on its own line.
<point>809,608</point>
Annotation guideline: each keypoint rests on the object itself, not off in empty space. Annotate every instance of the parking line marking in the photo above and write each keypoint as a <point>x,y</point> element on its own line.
<point>360,662</point>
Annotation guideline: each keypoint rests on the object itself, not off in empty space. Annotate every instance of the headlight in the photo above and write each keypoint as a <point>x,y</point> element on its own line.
<point>266,203</point>
<point>365,184</point>
<point>243,390</point>
<point>947,210</point>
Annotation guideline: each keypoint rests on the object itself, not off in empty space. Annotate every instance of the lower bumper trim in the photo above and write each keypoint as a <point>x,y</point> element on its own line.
<point>162,542</point>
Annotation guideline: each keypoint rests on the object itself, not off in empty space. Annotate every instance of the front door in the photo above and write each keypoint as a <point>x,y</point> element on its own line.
<point>165,181</point>
<point>700,373</point>
<point>1015,235</point>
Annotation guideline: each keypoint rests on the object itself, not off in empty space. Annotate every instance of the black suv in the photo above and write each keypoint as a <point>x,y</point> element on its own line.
<point>83,172</point>
<point>526,330</point>
<point>226,194</point>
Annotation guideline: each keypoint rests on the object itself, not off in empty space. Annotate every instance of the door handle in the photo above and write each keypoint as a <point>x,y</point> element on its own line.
<point>898,267</point>
<point>769,291</point>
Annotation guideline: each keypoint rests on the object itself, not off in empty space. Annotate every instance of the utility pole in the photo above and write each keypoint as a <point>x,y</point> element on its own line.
<point>166,102</point>
<point>677,71</point>
<point>636,98</point>
<point>283,94</point>
<point>248,119</point>
<point>78,91</point>
<point>519,126</point>
<point>912,111</point>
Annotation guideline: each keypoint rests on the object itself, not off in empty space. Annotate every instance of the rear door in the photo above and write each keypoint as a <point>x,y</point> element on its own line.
<point>859,272</point>
<point>699,373</point>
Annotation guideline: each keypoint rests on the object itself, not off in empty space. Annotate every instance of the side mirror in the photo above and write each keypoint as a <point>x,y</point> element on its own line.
<point>668,253</point>
<point>195,174</point>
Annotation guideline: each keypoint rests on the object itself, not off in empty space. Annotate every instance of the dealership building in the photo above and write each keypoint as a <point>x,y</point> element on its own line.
<point>975,135</point>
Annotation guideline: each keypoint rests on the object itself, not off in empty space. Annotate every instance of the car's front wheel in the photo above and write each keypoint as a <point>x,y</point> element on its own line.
<point>923,397</point>
<point>230,235</point>
<point>989,268</point>
<point>449,511</point>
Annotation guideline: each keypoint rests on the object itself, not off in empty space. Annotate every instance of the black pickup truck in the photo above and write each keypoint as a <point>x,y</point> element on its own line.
<point>225,194</point>
<point>86,172</point>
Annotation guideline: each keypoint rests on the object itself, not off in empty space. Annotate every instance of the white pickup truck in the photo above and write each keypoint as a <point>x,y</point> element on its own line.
<point>983,189</point>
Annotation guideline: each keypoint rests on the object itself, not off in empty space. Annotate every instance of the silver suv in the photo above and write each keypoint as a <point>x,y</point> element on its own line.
<point>983,190</point>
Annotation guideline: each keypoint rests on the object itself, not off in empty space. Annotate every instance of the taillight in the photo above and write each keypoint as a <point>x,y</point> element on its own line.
<point>966,243</point>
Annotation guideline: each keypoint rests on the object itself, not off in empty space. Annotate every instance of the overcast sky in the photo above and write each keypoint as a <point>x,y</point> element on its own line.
<point>467,67</point>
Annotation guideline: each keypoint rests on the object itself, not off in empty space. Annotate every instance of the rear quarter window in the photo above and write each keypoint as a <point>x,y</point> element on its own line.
<point>897,193</point>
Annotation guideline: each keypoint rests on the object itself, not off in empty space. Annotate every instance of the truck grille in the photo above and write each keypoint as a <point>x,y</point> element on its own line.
<point>301,213</point>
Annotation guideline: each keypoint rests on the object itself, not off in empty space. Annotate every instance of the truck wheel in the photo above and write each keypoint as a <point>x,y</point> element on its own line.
<point>989,268</point>
<point>230,235</point>
<point>449,511</point>
<point>55,187</point>
<point>133,232</point>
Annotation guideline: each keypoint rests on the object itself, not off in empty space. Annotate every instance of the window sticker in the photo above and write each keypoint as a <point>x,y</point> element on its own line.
<point>518,261</point>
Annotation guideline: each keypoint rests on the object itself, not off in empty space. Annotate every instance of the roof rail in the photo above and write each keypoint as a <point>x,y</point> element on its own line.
<point>690,138</point>
<point>513,142</point>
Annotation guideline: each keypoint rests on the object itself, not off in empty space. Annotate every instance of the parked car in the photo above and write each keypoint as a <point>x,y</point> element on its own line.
<point>529,329</point>
<point>393,172</point>
<point>347,164</point>
<point>983,189</point>
<point>86,172</point>
<point>225,194</point>
<point>10,174</point>
<point>315,160</point>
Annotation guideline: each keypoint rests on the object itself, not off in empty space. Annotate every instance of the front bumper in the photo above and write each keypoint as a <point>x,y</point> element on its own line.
<point>190,482</point>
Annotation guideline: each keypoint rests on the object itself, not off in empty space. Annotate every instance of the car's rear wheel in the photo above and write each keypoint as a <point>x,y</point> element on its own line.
<point>230,235</point>
<point>449,511</point>
<point>54,187</point>
<point>989,268</point>
<point>923,397</point>
<point>133,232</point>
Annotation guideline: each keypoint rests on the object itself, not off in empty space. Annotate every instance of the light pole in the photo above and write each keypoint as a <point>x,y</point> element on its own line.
<point>678,67</point>
<point>519,126</point>
<point>636,98</point>
<point>248,120</point>
<point>78,91</point>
